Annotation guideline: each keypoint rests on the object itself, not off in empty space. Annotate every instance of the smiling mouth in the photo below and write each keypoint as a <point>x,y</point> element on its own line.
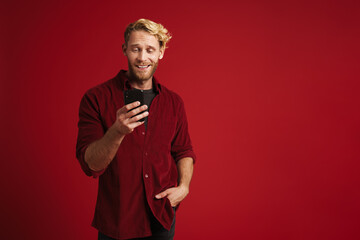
<point>142,67</point>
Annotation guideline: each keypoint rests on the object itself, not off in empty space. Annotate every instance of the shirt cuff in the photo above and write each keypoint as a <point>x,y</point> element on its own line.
<point>85,167</point>
<point>188,153</point>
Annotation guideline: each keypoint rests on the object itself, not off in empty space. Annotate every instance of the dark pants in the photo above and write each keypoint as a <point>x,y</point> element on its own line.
<point>159,232</point>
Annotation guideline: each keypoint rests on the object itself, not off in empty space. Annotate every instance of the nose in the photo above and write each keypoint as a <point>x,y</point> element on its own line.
<point>141,56</point>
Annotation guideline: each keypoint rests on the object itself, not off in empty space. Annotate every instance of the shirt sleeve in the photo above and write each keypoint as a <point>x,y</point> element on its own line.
<point>181,146</point>
<point>90,129</point>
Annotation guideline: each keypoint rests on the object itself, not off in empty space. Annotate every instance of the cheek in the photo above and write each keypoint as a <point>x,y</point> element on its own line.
<point>154,58</point>
<point>131,58</point>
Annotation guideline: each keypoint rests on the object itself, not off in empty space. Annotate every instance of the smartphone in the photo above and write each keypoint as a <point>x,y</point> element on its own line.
<point>133,95</point>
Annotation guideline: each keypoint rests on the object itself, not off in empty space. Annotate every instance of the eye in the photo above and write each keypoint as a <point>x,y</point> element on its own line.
<point>150,50</point>
<point>135,49</point>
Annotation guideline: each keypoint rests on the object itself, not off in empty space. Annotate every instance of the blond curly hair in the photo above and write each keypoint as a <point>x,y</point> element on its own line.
<point>155,29</point>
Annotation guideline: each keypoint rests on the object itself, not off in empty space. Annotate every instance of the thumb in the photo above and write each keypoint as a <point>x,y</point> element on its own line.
<point>162,194</point>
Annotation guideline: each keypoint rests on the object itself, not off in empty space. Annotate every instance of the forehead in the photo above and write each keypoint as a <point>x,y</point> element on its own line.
<point>143,38</point>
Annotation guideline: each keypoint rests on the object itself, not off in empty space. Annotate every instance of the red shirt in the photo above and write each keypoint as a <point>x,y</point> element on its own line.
<point>145,163</point>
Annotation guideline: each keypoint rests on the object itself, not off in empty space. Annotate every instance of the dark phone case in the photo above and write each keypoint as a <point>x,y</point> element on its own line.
<point>133,95</point>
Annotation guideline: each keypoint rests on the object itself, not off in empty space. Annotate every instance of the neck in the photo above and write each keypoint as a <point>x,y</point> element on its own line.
<point>140,84</point>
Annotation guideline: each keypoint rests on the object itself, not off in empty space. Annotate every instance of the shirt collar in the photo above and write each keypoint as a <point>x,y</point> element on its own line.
<point>125,83</point>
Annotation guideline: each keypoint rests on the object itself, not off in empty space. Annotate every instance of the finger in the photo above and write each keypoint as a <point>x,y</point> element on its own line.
<point>129,106</point>
<point>135,124</point>
<point>138,117</point>
<point>136,111</point>
<point>161,195</point>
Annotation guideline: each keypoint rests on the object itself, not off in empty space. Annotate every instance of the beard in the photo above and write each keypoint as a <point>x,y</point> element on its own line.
<point>139,76</point>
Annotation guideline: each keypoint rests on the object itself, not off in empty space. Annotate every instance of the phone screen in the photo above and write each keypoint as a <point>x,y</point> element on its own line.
<point>133,95</point>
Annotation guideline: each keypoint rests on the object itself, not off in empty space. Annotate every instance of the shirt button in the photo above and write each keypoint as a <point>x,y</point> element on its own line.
<point>143,133</point>
<point>146,154</point>
<point>146,176</point>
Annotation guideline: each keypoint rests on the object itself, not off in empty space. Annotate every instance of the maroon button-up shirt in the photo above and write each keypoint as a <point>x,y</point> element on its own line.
<point>145,163</point>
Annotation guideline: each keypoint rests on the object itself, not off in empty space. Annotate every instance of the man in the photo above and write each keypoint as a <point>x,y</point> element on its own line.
<point>144,167</point>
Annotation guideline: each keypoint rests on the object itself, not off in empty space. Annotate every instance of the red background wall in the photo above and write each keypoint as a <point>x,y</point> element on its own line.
<point>271,90</point>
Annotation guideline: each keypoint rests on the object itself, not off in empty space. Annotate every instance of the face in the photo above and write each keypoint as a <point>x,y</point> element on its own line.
<point>143,53</point>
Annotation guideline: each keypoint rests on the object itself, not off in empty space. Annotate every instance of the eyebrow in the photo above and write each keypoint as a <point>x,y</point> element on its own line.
<point>148,46</point>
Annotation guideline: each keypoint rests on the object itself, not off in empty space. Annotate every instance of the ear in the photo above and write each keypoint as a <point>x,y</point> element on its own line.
<point>162,52</point>
<point>124,49</point>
